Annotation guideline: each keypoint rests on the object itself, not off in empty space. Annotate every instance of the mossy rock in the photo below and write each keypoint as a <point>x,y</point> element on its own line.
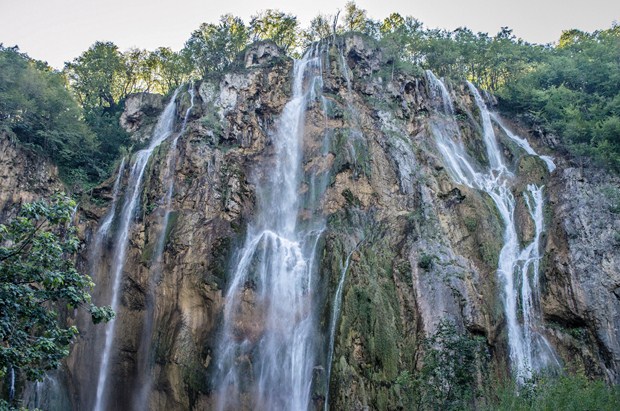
<point>531,170</point>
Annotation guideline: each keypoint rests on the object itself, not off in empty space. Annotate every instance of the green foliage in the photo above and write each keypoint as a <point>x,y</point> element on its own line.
<point>36,107</point>
<point>37,278</point>
<point>214,46</point>
<point>447,380</point>
<point>279,27</point>
<point>99,77</point>
<point>570,393</point>
<point>573,90</point>
<point>612,195</point>
<point>425,261</point>
<point>355,19</point>
<point>320,28</point>
<point>103,76</point>
<point>166,70</point>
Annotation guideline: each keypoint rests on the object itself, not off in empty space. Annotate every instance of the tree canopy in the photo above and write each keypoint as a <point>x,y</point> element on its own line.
<point>37,109</point>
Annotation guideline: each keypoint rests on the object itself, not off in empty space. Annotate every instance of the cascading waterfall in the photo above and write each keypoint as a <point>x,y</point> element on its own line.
<point>11,384</point>
<point>529,350</point>
<point>271,359</point>
<point>523,143</point>
<point>145,361</point>
<point>163,130</point>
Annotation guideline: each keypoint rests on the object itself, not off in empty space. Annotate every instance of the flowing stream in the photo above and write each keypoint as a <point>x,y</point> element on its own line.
<point>163,130</point>
<point>267,347</point>
<point>518,268</point>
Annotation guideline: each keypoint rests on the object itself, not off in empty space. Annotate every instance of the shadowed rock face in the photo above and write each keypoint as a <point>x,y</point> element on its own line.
<point>422,248</point>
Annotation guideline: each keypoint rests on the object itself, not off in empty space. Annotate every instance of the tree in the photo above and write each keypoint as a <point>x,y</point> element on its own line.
<point>37,278</point>
<point>354,18</point>
<point>274,25</point>
<point>36,107</point>
<point>167,69</point>
<point>320,28</point>
<point>392,23</point>
<point>212,47</point>
<point>98,76</point>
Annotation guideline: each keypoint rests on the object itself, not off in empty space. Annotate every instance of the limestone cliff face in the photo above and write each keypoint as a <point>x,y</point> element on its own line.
<point>24,177</point>
<point>422,248</point>
<point>582,277</point>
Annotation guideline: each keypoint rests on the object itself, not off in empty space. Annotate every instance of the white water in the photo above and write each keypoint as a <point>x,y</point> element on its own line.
<point>494,154</point>
<point>104,228</point>
<point>144,368</point>
<point>163,130</point>
<point>11,384</point>
<point>524,144</point>
<point>274,278</point>
<point>518,269</point>
<point>332,325</point>
<point>171,163</point>
<point>107,222</point>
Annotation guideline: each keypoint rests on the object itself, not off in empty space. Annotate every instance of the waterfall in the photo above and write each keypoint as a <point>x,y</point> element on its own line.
<point>267,345</point>
<point>163,130</point>
<point>493,152</point>
<point>523,143</point>
<point>438,90</point>
<point>11,384</point>
<point>104,227</point>
<point>145,375</point>
<point>332,325</point>
<point>529,350</point>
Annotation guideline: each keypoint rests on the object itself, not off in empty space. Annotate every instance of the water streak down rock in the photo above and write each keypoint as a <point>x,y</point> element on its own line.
<point>529,350</point>
<point>163,130</point>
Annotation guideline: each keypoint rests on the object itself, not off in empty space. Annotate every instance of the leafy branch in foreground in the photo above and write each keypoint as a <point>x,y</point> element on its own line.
<point>38,277</point>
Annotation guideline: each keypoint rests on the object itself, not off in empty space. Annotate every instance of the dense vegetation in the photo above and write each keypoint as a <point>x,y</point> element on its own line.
<point>37,109</point>
<point>38,277</point>
<point>452,378</point>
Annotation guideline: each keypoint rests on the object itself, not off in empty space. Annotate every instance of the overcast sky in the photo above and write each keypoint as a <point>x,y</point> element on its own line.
<point>59,30</point>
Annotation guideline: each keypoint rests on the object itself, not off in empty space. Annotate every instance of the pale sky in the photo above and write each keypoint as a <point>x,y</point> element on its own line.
<point>59,30</point>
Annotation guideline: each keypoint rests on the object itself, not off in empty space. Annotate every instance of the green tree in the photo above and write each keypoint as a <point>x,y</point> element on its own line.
<point>571,90</point>
<point>279,27</point>
<point>212,47</point>
<point>354,18</point>
<point>37,109</point>
<point>167,70</point>
<point>37,278</point>
<point>392,23</point>
<point>320,28</point>
<point>99,76</point>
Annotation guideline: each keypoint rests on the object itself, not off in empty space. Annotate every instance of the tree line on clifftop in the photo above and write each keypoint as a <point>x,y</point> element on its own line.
<point>570,88</point>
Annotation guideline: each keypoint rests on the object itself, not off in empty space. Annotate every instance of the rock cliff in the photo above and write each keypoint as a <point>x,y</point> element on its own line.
<point>411,247</point>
